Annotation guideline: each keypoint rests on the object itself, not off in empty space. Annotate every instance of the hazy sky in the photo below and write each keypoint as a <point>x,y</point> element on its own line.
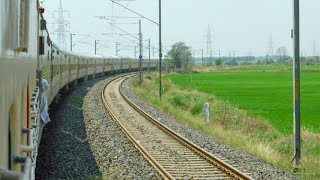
<point>238,26</point>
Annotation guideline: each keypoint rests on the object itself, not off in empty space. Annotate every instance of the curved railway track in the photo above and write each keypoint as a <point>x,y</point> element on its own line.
<point>172,155</point>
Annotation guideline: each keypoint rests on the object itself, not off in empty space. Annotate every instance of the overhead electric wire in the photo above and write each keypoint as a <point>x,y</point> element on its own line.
<point>134,12</point>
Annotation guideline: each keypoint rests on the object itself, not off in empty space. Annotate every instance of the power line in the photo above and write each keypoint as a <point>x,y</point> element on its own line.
<point>134,12</point>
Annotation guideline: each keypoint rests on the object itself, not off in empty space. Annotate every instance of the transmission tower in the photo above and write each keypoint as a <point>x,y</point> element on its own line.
<point>270,48</point>
<point>209,47</point>
<point>315,53</point>
<point>62,32</point>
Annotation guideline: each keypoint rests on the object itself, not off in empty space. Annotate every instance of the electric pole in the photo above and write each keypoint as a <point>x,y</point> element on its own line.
<point>149,56</point>
<point>71,45</point>
<point>296,82</point>
<point>160,53</point>
<point>140,50</point>
<point>117,48</point>
<point>135,51</point>
<point>202,57</point>
<point>95,46</point>
<point>193,58</point>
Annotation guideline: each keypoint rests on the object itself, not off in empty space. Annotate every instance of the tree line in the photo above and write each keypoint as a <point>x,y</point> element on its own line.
<point>180,58</point>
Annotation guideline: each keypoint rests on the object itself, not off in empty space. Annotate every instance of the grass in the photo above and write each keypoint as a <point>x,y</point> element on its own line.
<point>265,95</point>
<point>77,100</point>
<point>258,68</point>
<point>232,125</point>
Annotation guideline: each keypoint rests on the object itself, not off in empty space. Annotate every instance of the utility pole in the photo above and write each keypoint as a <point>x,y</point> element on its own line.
<point>160,43</point>
<point>95,46</point>
<point>71,42</point>
<point>135,51</point>
<point>202,57</point>
<point>153,51</point>
<point>296,82</point>
<point>149,57</point>
<point>140,55</point>
<point>160,53</point>
<point>117,48</point>
<point>193,58</point>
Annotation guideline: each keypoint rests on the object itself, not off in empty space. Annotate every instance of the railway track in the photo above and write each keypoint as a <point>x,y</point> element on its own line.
<point>173,156</point>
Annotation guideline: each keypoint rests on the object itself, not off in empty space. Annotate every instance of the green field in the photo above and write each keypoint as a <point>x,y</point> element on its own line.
<point>267,95</point>
<point>270,68</point>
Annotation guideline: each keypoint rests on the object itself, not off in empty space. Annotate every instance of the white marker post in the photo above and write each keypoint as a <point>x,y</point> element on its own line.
<point>206,113</point>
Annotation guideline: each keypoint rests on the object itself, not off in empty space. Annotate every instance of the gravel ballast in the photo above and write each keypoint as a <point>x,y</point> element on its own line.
<point>82,141</point>
<point>257,168</point>
<point>116,156</point>
<point>64,151</point>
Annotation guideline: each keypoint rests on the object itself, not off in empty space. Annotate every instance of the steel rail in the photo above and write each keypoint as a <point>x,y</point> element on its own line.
<point>223,166</point>
<point>136,143</point>
<point>227,168</point>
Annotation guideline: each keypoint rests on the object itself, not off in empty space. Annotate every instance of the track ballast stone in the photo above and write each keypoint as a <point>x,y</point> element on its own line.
<point>82,142</point>
<point>64,151</point>
<point>257,168</point>
<point>115,154</point>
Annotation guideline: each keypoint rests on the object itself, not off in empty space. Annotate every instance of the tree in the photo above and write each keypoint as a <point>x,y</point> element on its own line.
<point>181,55</point>
<point>219,61</point>
<point>282,55</point>
<point>169,63</point>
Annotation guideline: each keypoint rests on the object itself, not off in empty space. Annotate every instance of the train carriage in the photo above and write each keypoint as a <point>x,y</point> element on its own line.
<point>116,62</point>
<point>28,58</point>
<point>18,71</point>
<point>91,66</point>
<point>82,67</point>
<point>108,65</point>
<point>73,67</point>
<point>135,64</point>
<point>99,67</point>
<point>55,73</point>
<point>125,63</point>
<point>64,68</point>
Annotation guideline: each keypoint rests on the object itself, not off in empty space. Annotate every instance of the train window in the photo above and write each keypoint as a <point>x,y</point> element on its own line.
<point>48,41</point>
<point>23,27</point>
<point>43,24</point>
<point>41,45</point>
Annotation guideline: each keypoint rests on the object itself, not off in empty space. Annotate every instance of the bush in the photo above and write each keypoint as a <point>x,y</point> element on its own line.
<point>197,109</point>
<point>180,101</point>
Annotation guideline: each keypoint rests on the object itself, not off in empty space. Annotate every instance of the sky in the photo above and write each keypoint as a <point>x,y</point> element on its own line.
<point>239,27</point>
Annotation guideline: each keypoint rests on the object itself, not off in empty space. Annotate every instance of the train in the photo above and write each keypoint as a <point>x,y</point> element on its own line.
<point>29,57</point>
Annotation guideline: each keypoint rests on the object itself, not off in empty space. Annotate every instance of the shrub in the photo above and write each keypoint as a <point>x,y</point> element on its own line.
<point>180,101</point>
<point>197,109</point>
